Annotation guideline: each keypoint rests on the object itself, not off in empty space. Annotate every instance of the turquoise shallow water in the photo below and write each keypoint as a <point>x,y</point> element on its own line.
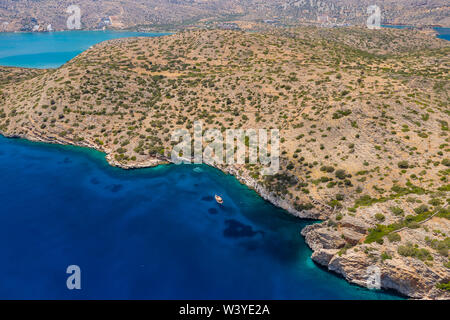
<point>51,50</point>
<point>142,234</point>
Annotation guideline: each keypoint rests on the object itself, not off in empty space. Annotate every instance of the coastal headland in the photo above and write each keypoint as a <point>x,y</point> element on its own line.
<point>363,119</point>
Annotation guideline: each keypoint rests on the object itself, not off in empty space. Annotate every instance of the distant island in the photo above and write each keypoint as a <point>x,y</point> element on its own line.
<point>363,118</point>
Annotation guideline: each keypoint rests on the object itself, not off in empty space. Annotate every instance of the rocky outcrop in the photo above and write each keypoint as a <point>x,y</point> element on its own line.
<point>323,256</point>
<point>151,162</point>
<point>357,225</point>
<point>319,237</point>
<point>351,236</point>
<point>340,250</point>
<point>408,276</point>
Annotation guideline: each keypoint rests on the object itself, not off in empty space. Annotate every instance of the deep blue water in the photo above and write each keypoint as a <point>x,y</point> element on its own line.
<point>143,234</point>
<point>51,50</point>
<point>152,233</point>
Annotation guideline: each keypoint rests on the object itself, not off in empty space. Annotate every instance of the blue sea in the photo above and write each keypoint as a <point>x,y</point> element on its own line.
<point>153,233</point>
<point>443,33</point>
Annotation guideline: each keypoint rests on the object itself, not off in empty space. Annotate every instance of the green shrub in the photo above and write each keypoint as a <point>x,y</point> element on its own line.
<point>444,286</point>
<point>394,237</point>
<point>342,113</point>
<point>410,251</point>
<point>403,164</point>
<point>339,197</point>
<point>379,232</point>
<point>446,162</point>
<point>441,247</point>
<point>341,174</point>
<point>365,201</point>
<point>435,202</point>
<point>397,211</point>
<point>421,209</point>
<point>335,203</point>
<point>444,213</point>
<point>328,169</point>
<point>385,256</point>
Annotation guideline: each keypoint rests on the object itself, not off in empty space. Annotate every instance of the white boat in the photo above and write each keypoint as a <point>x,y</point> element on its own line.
<point>218,199</point>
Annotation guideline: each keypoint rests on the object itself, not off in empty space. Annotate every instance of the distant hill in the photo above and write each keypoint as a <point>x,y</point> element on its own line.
<point>24,15</point>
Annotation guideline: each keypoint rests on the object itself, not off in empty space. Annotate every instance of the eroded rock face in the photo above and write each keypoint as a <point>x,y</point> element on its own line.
<point>353,267</point>
<point>323,256</point>
<point>351,236</point>
<point>409,276</point>
<point>318,236</point>
<point>356,224</point>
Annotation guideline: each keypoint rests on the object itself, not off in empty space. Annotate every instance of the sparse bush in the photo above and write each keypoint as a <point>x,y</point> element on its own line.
<point>394,237</point>
<point>411,251</point>
<point>403,164</point>
<point>421,209</point>
<point>341,174</point>
<point>446,162</point>
<point>397,211</point>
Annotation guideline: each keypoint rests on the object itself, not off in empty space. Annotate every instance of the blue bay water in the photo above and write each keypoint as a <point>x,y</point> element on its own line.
<point>443,33</point>
<point>152,233</point>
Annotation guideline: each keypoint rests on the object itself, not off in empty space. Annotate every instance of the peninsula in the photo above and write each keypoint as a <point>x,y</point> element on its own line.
<point>363,119</point>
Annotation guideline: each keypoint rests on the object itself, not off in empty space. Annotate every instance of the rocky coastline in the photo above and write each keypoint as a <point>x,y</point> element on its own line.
<point>408,278</point>
<point>406,275</point>
<point>360,151</point>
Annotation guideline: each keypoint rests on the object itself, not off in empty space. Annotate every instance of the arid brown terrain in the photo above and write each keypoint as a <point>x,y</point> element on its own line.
<point>24,15</point>
<point>363,118</point>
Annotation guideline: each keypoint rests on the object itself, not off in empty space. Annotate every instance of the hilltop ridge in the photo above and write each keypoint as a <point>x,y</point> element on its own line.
<point>24,15</point>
